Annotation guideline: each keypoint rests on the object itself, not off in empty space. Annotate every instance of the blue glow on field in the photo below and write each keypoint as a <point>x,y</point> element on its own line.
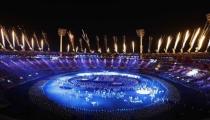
<point>108,74</point>
<point>104,91</point>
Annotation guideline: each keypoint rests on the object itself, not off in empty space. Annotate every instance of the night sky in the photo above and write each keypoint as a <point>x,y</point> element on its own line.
<point>111,18</point>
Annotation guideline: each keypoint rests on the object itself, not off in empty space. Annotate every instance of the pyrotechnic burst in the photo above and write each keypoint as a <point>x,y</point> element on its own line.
<point>87,40</point>
<point>115,44</point>
<point>27,42</point>
<point>194,37</point>
<point>207,46</point>
<point>124,44</point>
<point>2,37</point>
<point>45,40</point>
<point>68,48</point>
<point>176,42</point>
<point>71,37</point>
<point>200,43</point>
<point>202,38</point>
<point>77,48</point>
<point>133,46</point>
<point>150,42</point>
<point>23,42</point>
<point>32,43</point>
<point>5,37</point>
<point>108,50</point>
<point>105,42</point>
<point>37,42</point>
<point>187,35</point>
<point>80,43</point>
<point>168,43</point>
<point>13,38</point>
<point>159,45</point>
<point>42,44</point>
<point>98,45</point>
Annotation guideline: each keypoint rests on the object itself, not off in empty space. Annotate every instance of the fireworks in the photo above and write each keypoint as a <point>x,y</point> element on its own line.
<point>159,45</point>
<point>115,48</point>
<point>37,42</point>
<point>124,44</point>
<point>200,43</point>
<point>124,48</point>
<point>61,33</point>
<point>192,42</point>
<point>202,38</point>
<point>45,40</point>
<point>5,37</point>
<point>2,37</point>
<point>68,48</point>
<point>42,44</point>
<point>115,44</point>
<point>140,33</point>
<point>133,46</point>
<point>32,43</point>
<point>98,46</point>
<point>177,41</point>
<point>71,37</point>
<point>80,43</point>
<point>86,39</point>
<point>105,42</point>
<point>13,38</point>
<point>209,43</point>
<point>23,42</point>
<point>187,35</point>
<point>108,50</point>
<point>150,41</point>
<point>207,46</point>
<point>168,43</point>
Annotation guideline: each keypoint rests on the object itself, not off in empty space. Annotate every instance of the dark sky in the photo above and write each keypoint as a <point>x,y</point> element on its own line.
<point>112,18</point>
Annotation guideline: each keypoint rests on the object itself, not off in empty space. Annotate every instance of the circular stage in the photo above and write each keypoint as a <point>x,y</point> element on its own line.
<point>103,92</point>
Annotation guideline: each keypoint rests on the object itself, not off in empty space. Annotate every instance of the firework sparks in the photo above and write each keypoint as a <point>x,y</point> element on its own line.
<point>80,42</point>
<point>68,48</point>
<point>124,44</point>
<point>207,46</point>
<point>13,38</point>
<point>177,41</point>
<point>37,42</point>
<point>108,50</point>
<point>200,43</point>
<point>2,37</point>
<point>71,37</point>
<point>192,42</point>
<point>98,46</point>
<point>115,44</point>
<point>159,45</point>
<point>23,42</point>
<point>32,43</point>
<point>187,35</point>
<point>133,46</point>
<point>85,37</point>
<point>42,44</point>
<point>168,43</point>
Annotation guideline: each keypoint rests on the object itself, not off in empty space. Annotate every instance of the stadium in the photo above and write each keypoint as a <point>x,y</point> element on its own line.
<point>105,77</point>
